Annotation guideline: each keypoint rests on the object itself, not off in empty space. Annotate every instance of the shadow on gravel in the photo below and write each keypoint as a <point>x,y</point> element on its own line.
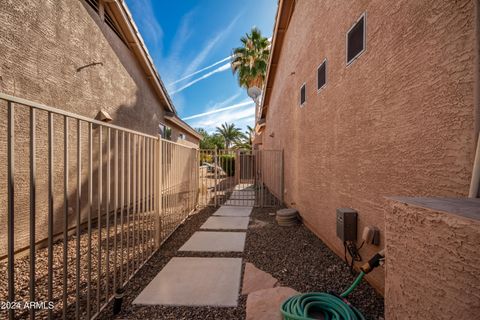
<point>168,250</point>
<point>293,255</point>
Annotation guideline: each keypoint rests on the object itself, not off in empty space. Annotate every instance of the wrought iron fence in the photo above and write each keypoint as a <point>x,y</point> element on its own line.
<point>241,177</point>
<point>86,205</point>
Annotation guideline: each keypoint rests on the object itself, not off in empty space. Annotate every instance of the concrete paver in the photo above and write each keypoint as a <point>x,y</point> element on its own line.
<point>195,282</point>
<point>238,211</point>
<point>215,241</point>
<point>226,223</point>
<point>240,202</point>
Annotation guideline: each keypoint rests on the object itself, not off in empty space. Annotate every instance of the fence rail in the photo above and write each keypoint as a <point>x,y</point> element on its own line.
<point>241,177</point>
<point>90,202</point>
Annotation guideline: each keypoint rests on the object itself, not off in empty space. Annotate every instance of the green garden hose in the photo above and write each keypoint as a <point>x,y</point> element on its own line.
<point>331,306</point>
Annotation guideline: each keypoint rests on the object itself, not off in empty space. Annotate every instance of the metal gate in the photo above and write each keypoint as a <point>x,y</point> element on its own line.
<point>241,178</point>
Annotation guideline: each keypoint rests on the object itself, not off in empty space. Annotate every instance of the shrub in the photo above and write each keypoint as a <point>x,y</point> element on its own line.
<point>205,158</point>
<point>227,162</point>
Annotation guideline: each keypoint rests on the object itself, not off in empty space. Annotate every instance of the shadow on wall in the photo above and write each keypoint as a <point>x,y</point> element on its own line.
<point>142,114</point>
<point>129,154</point>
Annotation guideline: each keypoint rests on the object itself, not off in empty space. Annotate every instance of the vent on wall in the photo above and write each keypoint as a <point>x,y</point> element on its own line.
<point>303,95</point>
<point>322,75</point>
<point>109,20</point>
<point>93,4</point>
<point>356,39</point>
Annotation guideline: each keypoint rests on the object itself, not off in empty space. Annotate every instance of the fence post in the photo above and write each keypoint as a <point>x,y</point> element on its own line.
<point>282,178</point>
<point>215,172</point>
<point>158,193</point>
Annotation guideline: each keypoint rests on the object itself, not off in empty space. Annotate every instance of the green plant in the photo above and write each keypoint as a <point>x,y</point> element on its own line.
<point>206,158</point>
<point>250,60</point>
<point>230,133</point>
<point>227,162</point>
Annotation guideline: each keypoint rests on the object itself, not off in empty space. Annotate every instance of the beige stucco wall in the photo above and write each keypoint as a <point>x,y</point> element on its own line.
<point>432,264</point>
<point>397,121</point>
<point>190,140</point>
<point>42,46</point>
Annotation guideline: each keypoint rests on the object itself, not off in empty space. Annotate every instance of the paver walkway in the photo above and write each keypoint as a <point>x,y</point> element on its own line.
<point>195,281</point>
<point>214,241</point>
<point>226,211</point>
<point>226,223</point>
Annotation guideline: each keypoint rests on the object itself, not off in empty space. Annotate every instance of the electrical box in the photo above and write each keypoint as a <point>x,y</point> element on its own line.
<point>347,224</point>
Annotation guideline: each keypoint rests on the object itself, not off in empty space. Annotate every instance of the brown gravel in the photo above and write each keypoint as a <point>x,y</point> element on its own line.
<point>156,263</point>
<point>293,255</point>
<point>300,260</point>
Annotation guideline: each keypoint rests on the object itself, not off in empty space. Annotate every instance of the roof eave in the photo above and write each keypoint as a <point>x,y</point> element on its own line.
<point>179,122</point>
<point>284,13</point>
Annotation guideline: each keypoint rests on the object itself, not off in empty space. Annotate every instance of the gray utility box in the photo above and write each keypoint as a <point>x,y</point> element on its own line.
<point>347,224</point>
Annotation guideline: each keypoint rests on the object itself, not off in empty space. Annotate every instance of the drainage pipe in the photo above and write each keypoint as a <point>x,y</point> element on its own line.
<point>475,182</point>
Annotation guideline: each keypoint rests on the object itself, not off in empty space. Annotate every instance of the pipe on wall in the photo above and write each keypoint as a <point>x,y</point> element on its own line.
<point>475,182</point>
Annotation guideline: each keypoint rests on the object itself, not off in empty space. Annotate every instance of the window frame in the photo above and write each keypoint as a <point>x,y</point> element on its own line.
<point>164,131</point>
<point>324,62</point>
<point>300,100</point>
<point>161,129</point>
<point>364,17</point>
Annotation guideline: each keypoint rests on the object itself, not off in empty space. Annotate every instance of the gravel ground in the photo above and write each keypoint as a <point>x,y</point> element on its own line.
<point>294,255</point>
<point>156,263</point>
<point>298,259</point>
<point>138,251</point>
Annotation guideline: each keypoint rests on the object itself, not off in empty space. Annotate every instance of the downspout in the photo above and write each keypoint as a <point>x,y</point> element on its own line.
<point>475,182</point>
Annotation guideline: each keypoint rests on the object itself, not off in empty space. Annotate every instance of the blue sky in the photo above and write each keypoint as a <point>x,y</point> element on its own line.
<point>186,37</point>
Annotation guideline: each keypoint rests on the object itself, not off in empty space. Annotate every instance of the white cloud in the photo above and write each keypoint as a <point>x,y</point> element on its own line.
<point>151,29</point>
<point>205,76</point>
<point>238,105</point>
<point>200,71</point>
<point>202,55</point>
<point>240,116</point>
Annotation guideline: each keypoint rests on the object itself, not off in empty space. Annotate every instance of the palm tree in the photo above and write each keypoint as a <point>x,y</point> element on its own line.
<point>242,142</point>
<point>229,132</point>
<point>250,60</point>
<point>249,133</point>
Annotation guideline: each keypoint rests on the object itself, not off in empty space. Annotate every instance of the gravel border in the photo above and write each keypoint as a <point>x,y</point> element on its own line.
<point>300,260</point>
<point>293,255</point>
<point>169,250</point>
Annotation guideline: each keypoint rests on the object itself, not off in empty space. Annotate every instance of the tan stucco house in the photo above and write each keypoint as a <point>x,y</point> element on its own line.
<point>370,99</point>
<point>86,57</point>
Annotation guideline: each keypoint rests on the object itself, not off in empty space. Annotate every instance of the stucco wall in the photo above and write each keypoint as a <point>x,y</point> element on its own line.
<point>432,264</point>
<point>43,47</point>
<point>397,121</point>
<point>190,140</point>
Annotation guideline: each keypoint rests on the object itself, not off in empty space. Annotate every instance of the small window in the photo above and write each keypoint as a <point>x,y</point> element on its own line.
<point>165,132</point>
<point>168,133</point>
<point>303,96</point>
<point>322,75</point>
<point>356,40</point>
<point>182,136</point>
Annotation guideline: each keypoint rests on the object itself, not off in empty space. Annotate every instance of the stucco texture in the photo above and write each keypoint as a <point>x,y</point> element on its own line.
<point>60,53</point>
<point>432,265</point>
<point>399,120</point>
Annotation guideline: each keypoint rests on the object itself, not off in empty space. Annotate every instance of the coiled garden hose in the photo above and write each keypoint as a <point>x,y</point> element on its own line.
<point>332,307</point>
